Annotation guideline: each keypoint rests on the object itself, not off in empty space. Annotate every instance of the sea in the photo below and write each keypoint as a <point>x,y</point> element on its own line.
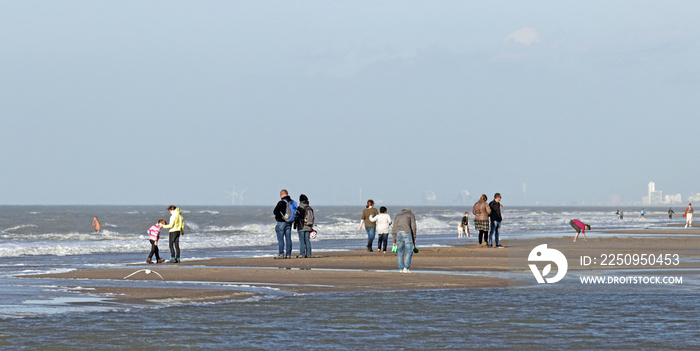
<point>53,314</point>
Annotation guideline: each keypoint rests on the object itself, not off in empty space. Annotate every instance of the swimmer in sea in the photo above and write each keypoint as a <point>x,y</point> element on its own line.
<point>96,224</point>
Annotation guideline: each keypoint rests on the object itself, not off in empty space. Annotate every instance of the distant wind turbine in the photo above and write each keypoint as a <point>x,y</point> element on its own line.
<point>236,196</point>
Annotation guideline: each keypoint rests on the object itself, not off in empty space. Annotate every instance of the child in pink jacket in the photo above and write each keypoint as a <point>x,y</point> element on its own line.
<point>153,236</point>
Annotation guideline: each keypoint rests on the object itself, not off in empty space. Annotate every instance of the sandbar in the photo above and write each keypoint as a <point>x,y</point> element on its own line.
<point>464,266</point>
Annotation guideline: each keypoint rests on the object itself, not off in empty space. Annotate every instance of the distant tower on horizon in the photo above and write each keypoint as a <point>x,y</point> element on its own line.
<point>654,197</point>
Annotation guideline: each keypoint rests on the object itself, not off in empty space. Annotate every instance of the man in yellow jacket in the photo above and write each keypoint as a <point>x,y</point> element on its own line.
<point>176,226</point>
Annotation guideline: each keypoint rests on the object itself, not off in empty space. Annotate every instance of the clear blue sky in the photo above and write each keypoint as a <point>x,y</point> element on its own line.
<point>160,102</point>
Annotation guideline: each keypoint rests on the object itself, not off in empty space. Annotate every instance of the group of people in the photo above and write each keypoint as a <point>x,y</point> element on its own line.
<point>376,224</point>
<point>688,214</point>
<point>403,232</point>
<point>300,216</point>
<point>620,215</point>
<point>487,220</point>
<point>176,229</point>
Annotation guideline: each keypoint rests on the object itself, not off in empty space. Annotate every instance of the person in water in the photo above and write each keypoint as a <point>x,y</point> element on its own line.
<point>96,224</point>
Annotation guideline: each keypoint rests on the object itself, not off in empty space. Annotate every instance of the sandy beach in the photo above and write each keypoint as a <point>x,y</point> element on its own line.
<point>461,267</point>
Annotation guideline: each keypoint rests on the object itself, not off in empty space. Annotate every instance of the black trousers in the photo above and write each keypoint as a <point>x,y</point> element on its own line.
<point>154,250</point>
<point>383,240</point>
<point>484,234</point>
<point>174,243</point>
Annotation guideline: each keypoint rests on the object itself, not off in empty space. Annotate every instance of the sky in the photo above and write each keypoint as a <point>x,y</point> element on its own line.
<point>404,102</point>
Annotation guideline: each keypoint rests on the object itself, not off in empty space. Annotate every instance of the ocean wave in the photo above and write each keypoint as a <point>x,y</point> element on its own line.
<point>18,227</point>
<point>211,212</point>
<point>81,244</point>
<point>247,228</point>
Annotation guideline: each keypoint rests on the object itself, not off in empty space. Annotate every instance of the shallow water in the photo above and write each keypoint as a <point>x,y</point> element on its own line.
<point>490,319</point>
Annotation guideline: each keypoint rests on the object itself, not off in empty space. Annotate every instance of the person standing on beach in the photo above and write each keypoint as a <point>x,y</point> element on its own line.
<point>496,218</point>
<point>463,229</point>
<point>303,223</point>
<point>580,228</point>
<point>405,238</point>
<point>153,236</point>
<point>176,228</point>
<point>688,216</point>
<point>383,221</point>
<point>96,224</point>
<point>370,226</point>
<point>481,213</point>
<point>670,213</point>
<point>283,229</point>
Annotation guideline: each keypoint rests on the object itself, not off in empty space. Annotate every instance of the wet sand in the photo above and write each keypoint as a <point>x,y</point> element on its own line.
<point>460,267</point>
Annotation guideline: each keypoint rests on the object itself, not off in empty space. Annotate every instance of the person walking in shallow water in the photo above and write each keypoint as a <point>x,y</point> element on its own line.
<point>463,229</point>
<point>688,216</point>
<point>670,213</point>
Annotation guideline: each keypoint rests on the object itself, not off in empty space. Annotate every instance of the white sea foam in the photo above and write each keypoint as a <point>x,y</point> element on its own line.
<point>210,212</point>
<point>18,227</point>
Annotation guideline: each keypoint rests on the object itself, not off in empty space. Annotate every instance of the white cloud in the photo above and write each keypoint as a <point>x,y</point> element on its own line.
<point>524,35</point>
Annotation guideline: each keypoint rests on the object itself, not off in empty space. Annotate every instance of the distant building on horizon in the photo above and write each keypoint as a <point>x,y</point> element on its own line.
<point>656,197</point>
<point>673,199</point>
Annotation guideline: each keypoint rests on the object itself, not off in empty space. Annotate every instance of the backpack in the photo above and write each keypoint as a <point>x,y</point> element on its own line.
<point>290,213</point>
<point>309,216</point>
<point>304,216</point>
